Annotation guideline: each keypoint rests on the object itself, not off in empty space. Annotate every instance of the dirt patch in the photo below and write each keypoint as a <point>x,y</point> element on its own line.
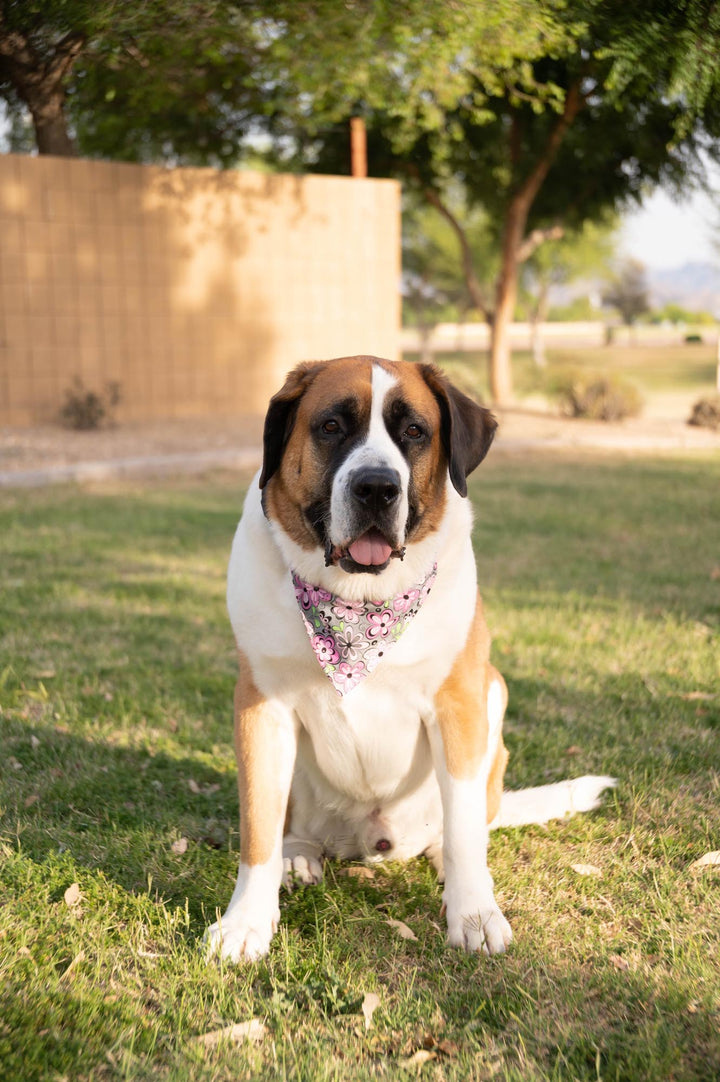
<point>206,442</point>
<point>51,446</point>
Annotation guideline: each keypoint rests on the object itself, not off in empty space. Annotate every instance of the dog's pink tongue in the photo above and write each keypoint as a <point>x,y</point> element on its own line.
<point>370,550</point>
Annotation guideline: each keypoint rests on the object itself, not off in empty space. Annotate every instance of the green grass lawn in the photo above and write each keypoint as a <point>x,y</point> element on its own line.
<point>656,369</point>
<point>602,584</point>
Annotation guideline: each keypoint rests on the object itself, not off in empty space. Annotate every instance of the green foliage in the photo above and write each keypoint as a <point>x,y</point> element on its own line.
<point>579,308</point>
<point>628,291</point>
<point>180,86</point>
<point>597,396</point>
<point>675,313</point>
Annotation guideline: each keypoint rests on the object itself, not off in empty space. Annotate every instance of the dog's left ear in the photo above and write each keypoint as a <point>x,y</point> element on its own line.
<point>280,417</point>
<point>466,429</point>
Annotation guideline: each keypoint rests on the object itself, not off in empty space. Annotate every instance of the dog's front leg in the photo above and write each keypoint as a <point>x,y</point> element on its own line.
<point>465,740</point>
<point>265,744</point>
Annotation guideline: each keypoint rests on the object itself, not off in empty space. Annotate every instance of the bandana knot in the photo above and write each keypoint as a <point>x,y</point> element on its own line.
<point>350,638</point>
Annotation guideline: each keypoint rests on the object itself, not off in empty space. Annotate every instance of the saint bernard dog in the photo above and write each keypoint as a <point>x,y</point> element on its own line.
<point>368,715</point>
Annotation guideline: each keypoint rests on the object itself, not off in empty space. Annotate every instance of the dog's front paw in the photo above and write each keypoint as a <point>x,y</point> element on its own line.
<point>307,870</point>
<point>239,937</point>
<point>474,919</point>
<point>484,929</point>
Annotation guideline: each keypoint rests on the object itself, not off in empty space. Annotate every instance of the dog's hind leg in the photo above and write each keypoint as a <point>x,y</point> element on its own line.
<point>302,861</point>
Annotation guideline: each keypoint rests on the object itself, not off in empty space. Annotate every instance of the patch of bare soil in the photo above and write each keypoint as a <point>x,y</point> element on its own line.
<point>214,440</point>
<point>51,446</point>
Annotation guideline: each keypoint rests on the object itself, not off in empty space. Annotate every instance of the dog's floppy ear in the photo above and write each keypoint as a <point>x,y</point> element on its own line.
<point>280,417</point>
<point>466,429</point>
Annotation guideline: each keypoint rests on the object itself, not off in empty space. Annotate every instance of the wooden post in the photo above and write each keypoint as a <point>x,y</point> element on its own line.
<point>358,147</point>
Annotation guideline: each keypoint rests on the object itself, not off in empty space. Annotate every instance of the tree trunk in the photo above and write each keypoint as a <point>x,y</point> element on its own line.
<point>516,247</point>
<point>501,384</point>
<point>51,128</point>
<point>39,83</point>
<point>425,333</point>
<point>537,343</point>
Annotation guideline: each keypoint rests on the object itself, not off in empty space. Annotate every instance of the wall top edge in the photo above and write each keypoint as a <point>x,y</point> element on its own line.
<point>196,170</point>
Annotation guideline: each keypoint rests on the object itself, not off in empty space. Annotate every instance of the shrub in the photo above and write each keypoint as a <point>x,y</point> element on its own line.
<point>85,410</point>
<point>706,412</point>
<point>596,396</point>
<point>693,339</point>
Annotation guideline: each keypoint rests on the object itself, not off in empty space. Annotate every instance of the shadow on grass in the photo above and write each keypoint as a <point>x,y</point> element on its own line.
<point>120,811</point>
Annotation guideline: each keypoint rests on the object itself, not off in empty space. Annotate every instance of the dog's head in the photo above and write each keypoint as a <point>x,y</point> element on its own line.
<point>357,456</point>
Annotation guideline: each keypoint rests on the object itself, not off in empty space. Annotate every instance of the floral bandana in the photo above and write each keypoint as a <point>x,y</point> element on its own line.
<point>350,638</point>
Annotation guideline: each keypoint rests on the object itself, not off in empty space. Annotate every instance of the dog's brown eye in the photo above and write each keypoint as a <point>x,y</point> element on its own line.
<point>413,432</point>
<point>330,427</point>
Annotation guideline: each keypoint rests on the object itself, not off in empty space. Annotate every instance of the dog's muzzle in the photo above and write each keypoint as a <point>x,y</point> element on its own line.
<point>373,495</point>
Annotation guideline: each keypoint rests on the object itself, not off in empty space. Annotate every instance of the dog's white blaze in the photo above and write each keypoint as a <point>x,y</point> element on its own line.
<point>378,449</point>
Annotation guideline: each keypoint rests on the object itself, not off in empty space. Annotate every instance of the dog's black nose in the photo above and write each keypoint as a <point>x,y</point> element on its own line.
<point>377,488</point>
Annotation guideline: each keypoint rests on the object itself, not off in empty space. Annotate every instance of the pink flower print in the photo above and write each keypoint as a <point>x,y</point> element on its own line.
<point>347,676</point>
<point>350,642</point>
<point>308,596</point>
<point>404,602</point>
<point>380,624</point>
<point>349,611</point>
<point>324,650</point>
<point>302,593</point>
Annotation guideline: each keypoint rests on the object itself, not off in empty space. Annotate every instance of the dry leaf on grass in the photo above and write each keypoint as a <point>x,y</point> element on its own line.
<point>72,895</point>
<point>586,869</point>
<point>418,1058</point>
<point>180,846</point>
<point>618,962</point>
<point>75,962</point>
<point>448,1048</point>
<point>358,872</point>
<point>370,1004</point>
<point>204,790</point>
<point>241,1031</point>
<point>709,860</point>
<point>401,928</point>
<point>698,696</point>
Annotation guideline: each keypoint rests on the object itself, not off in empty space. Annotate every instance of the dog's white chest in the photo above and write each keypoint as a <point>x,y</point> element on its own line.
<point>369,746</point>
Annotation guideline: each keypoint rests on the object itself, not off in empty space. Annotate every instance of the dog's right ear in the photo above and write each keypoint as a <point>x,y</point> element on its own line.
<point>280,417</point>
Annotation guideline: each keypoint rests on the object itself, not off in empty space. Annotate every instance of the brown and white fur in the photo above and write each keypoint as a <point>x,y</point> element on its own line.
<point>411,761</point>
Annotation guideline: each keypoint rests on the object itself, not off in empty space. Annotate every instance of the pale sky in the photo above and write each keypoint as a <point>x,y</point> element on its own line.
<point>664,233</point>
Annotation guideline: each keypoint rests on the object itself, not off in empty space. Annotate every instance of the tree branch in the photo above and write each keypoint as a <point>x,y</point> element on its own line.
<point>474,286</point>
<point>66,53</point>
<point>535,238</point>
<point>574,101</point>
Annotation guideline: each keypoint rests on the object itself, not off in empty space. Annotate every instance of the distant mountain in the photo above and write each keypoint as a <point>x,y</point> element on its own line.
<point>695,286</point>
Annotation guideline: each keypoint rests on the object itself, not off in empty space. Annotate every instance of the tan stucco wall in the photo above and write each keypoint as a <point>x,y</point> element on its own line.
<point>195,290</point>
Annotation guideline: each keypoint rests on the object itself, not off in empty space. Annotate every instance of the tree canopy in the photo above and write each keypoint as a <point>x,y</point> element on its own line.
<point>546,113</point>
